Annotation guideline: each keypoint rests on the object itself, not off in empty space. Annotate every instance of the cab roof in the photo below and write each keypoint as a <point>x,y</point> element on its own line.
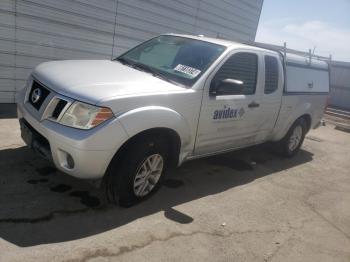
<point>291,58</point>
<point>223,42</point>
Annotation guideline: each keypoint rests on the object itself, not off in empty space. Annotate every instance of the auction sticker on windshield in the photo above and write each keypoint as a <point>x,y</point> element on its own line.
<point>190,71</point>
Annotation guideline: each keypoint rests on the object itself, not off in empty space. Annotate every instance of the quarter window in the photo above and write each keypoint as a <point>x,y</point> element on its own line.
<point>242,67</point>
<point>271,74</point>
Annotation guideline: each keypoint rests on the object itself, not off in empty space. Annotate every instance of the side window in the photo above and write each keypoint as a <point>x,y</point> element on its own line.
<point>271,74</point>
<point>237,75</point>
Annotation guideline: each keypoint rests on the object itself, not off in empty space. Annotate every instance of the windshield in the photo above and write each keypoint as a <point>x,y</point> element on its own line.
<point>175,59</point>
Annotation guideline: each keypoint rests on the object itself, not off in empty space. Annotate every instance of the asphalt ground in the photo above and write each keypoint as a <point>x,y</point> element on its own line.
<point>249,205</point>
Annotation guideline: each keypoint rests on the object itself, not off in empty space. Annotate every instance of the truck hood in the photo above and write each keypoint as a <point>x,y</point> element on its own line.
<point>92,81</point>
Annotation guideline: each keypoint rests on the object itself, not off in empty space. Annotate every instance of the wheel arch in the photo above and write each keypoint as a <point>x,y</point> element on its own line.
<point>150,117</point>
<point>306,117</point>
<point>157,117</point>
<point>170,135</point>
<point>308,120</point>
<point>156,120</point>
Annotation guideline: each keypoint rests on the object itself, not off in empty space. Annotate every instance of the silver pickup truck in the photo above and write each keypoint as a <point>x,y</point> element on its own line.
<point>171,99</point>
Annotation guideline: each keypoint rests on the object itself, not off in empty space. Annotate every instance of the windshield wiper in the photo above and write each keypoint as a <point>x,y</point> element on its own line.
<point>124,61</point>
<point>137,65</point>
<point>155,73</point>
<point>144,67</point>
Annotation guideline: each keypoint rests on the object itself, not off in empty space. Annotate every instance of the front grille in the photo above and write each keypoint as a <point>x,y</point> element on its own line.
<point>37,95</point>
<point>58,109</point>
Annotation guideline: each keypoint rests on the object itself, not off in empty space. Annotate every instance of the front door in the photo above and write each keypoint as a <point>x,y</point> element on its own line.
<point>229,116</point>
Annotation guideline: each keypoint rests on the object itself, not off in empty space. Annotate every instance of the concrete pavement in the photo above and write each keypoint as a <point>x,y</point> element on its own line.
<point>249,205</point>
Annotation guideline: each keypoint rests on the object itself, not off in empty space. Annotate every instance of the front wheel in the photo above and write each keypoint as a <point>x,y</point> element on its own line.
<point>291,143</point>
<point>148,174</point>
<point>137,174</point>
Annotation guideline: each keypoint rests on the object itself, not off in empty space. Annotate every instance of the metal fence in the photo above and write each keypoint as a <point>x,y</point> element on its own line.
<point>340,85</point>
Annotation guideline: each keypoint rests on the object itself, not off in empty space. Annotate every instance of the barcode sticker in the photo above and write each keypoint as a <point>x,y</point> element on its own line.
<point>192,72</point>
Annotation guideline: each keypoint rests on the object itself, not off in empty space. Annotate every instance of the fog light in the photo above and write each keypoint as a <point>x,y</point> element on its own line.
<point>70,161</point>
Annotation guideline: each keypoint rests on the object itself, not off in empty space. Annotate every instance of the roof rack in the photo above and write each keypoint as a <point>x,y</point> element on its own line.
<point>284,51</point>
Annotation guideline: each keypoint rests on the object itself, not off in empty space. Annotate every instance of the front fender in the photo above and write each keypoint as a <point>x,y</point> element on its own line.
<point>144,118</point>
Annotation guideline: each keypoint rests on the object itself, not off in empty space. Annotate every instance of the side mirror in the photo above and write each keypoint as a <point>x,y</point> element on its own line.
<point>227,86</point>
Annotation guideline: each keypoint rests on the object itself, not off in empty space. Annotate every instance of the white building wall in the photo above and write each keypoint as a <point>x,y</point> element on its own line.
<point>34,31</point>
<point>7,50</point>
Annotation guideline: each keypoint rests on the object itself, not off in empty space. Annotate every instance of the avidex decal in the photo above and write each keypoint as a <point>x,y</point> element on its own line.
<point>228,113</point>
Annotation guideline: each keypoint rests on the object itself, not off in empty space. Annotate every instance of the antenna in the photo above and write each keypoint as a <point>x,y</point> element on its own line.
<point>310,56</point>
<point>313,51</point>
<point>285,53</point>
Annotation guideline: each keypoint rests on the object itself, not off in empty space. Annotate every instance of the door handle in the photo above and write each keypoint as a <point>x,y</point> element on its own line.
<point>253,104</point>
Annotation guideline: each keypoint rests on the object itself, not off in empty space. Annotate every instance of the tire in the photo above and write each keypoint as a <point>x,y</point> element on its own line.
<point>133,167</point>
<point>292,141</point>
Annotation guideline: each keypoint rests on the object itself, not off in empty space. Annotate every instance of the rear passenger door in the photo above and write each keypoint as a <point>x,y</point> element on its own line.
<point>271,93</point>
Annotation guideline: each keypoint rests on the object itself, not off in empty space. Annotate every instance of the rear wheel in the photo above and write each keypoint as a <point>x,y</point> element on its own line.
<point>293,140</point>
<point>138,172</point>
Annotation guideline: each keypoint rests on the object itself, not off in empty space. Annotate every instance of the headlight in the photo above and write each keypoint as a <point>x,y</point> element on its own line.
<point>85,116</point>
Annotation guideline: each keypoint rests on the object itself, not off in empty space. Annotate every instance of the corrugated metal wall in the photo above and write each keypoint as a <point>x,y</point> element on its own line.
<point>7,50</point>
<point>340,85</point>
<point>33,31</point>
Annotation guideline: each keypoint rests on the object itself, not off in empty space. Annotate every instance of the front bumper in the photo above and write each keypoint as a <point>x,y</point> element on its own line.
<point>91,150</point>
